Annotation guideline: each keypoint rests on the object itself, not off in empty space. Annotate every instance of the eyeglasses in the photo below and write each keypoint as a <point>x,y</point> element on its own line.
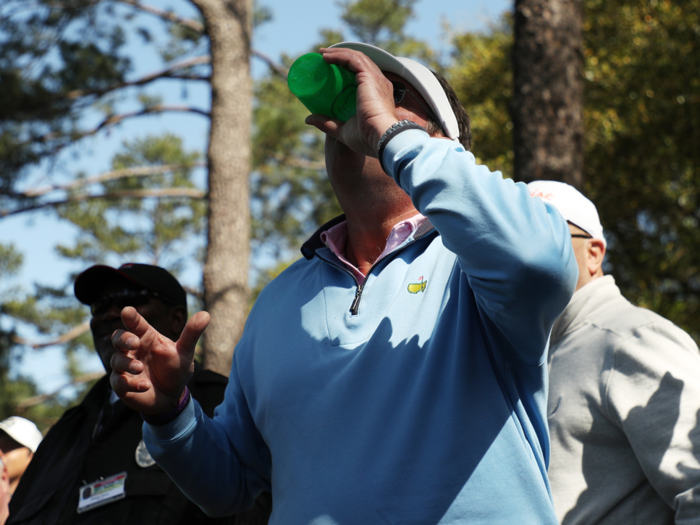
<point>400,91</point>
<point>121,299</point>
<point>581,236</point>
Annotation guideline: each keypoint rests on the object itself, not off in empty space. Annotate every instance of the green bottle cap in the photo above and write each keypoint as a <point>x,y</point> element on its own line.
<point>322,87</point>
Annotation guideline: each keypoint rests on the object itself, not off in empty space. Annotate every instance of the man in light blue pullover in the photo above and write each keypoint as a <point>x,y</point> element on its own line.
<point>397,373</point>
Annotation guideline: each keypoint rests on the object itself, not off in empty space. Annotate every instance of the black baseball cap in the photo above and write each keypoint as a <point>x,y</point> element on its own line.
<point>89,284</point>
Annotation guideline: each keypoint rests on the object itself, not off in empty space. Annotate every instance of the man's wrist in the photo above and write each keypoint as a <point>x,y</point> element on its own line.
<point>167,417</point>
<point>394,129</point>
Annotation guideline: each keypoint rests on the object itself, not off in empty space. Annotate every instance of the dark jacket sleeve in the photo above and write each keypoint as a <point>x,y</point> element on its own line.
<point>47,493</point>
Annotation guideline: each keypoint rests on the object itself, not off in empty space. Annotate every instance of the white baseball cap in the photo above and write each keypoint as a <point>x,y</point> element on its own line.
<point>419,76</point>
<point>573,206</point>
<point>22,431</point>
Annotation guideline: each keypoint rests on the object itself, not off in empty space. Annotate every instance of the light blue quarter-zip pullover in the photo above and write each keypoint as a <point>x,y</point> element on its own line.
<point>418,398</point>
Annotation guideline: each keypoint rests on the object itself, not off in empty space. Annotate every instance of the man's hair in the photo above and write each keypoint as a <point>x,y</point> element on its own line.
<point>465,132</point>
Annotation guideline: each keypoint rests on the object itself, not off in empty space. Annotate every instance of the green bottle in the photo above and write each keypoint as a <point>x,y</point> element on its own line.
<point>322,87</point>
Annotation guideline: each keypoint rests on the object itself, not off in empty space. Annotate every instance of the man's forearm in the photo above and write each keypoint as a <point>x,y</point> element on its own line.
<point>515,250</point>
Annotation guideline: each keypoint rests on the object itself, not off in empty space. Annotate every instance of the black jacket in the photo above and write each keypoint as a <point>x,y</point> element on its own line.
<point>71,455</point>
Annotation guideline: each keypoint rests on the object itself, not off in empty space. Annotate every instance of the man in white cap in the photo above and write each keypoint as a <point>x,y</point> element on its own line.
<point>4,492</point>
<point>396,373</point>
<point>624,398</point>
<point>19,439</point>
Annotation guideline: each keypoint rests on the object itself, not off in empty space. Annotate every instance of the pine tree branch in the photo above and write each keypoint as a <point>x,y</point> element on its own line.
<point>71,334</point>
<point>166,15</point>
<point>168,72</point>
<point>277,68</point>
<point>141,171</point>
<point>156,108</point>
<point>116,119</point>
<point>197,26</point>
<point>190,193</point>
<point>37,400</point>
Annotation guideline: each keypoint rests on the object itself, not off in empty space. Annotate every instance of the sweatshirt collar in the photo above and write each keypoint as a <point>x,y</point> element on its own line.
<point>584,303</point>
<point>314,243</point>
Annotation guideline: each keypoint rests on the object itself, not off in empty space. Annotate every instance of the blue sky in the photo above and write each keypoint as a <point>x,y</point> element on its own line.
<point>294,28</point>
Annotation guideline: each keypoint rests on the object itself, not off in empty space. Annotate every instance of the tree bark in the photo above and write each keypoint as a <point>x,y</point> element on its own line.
<point>547,106</point>
<point>229,26</point>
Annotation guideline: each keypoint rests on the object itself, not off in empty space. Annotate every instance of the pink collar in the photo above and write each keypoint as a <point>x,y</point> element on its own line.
<point>336,239</point>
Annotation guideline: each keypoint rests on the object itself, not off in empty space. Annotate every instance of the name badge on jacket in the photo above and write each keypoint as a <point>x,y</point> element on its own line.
<point>101,492</point>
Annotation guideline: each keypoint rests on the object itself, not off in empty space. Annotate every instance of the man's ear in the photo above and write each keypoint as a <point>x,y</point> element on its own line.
<point>178,319</point>
<point>595,256</point>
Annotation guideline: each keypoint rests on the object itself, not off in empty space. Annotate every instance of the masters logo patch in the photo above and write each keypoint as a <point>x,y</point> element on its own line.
<point>417,287</point>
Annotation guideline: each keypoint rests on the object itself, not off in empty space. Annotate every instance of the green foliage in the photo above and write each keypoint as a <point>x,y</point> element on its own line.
<point>643,160</point>
<point>290,191</point>
<point>20,389</point>
<point>642,120</point>
<point>54,60</point>
<point>65,65</point>
<point>139,225</point>
<point>183,41</point>
<point>10,260</point>
<point>481,75</point>
<point>48,311</point>
<point>10,391</point>
<point>136,227</point>
<point>15,389</point>
<point>65,74</point>
<point>382,23</point>
<point>372,19</point>
<point>261,14</point>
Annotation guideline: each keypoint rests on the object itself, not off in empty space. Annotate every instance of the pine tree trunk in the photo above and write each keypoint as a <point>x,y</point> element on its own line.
<point>548,93</point>
<point>229,26</point>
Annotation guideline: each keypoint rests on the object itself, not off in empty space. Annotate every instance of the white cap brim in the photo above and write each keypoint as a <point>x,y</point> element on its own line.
<point>419,76</point>
<point>22,431</point>
<point>571,204</point>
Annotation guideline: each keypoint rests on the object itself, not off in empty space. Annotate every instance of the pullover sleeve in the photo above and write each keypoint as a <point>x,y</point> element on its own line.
<point>653,393</point>
<point>514,249</point>
<point>222,464</point>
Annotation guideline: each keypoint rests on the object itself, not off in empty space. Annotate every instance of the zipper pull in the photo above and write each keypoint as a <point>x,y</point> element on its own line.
<point>356,302</point>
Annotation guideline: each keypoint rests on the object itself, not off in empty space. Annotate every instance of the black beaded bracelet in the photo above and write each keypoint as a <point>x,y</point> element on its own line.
<point>395,129</point>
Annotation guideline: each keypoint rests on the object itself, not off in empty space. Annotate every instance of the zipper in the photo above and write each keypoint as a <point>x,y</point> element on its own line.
<point>358,294</point>
<point>355,306</point>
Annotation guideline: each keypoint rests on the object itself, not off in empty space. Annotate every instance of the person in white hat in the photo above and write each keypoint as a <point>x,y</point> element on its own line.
<point>5,494</point>
<point>396,373</point>
<point>624,397</point>
<point>19,439</point>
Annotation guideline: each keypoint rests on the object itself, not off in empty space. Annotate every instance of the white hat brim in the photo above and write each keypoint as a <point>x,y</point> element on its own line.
<point>22,431</point>
<point>419,76</point>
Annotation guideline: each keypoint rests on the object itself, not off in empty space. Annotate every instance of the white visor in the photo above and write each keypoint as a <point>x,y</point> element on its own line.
<point>419,76</point>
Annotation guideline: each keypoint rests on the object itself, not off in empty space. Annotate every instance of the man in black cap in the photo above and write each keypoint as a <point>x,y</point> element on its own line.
<point>93,467</point>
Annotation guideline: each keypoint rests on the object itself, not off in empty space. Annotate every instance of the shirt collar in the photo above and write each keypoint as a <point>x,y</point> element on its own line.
<point>336,237</point>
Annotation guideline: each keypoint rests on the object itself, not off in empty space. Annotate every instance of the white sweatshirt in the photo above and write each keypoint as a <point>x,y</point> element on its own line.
<point>624,413</point>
